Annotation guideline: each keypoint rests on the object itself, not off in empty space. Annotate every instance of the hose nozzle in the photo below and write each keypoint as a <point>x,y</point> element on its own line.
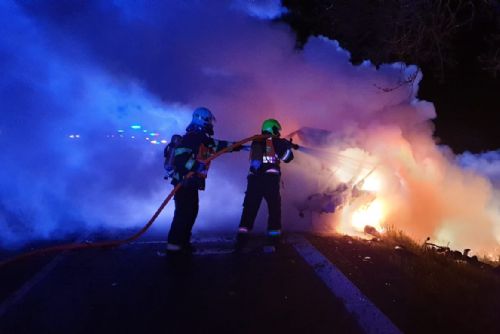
<point>294,146</point>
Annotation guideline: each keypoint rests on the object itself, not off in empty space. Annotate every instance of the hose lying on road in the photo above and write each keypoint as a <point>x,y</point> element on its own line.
<point>116,243</point>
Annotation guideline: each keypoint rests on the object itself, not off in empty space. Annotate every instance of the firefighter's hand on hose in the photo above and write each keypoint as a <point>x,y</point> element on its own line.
<point>292,145</point>
<point>237,148</point>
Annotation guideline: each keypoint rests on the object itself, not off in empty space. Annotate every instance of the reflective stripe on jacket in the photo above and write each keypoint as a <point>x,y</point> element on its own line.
<point>270,152</point>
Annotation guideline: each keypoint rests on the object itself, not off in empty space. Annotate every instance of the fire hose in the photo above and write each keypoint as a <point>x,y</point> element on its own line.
<point>117,243</point>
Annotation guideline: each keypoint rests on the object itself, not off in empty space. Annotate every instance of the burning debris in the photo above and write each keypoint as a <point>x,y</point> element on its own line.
<point>348,184</point>
<point>338,193</point>
<point>332,200</point>
<point>370,230</point>
<point>452,254</point>
<point>388,179</point>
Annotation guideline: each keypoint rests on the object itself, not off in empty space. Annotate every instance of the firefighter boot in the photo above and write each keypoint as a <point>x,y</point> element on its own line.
<point>274,241</point>
<point>241,239</point>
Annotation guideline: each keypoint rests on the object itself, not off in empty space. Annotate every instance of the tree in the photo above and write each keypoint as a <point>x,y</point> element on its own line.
<point>456,43</point>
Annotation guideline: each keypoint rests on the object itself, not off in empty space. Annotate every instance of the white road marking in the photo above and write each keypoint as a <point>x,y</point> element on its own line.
<point>203,251</point>
<point>214,251</point>
<point>152,242</point>
<point>17,297</point>
<point>195,240</point>
<point>368,316</point>
<point>204,246</point>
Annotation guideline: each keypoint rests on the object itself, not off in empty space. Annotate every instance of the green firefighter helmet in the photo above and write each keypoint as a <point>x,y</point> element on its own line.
<point>272,126</point>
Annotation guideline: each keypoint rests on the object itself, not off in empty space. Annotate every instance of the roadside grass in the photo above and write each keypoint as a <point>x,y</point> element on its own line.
<point>421,289</point>
<point>464,293</point>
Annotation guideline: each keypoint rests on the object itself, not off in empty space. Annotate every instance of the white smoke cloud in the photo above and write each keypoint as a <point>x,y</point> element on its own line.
<point>94,68</point>
<point>264,9</point>
<point>486,164</point>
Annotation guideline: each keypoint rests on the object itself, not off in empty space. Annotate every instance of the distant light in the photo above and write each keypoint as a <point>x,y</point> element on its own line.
<point>133,137</point>
<point>163,141</point>
<point>77,136</point>
<point>154,142</point>
<point>154,134</point>
<point>144,131</point>
<point>135,127</point>
<point>147,138</point>
<point>72,136</point>
<point>121,131</point>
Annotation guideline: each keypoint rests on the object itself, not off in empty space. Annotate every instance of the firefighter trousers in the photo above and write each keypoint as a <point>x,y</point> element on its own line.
<point>261,186</point>
<point>186,210</point>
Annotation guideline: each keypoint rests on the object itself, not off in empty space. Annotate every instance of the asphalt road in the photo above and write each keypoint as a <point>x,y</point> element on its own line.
<point>136,289</point>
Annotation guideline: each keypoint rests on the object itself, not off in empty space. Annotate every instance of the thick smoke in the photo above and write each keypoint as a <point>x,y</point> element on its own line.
<point>486,164</point>
<point>77,76</point>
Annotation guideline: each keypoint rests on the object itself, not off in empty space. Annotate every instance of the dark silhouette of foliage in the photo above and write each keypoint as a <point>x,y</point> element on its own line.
<point>437,35</point>
<point>456,44</point>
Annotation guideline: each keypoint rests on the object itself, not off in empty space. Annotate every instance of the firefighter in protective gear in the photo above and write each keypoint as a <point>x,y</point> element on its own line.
<point>264,181</point>
<point>195,147</point>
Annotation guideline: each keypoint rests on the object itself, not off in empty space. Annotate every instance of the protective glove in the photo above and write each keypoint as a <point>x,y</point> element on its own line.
<point>292,145</point>
<point>237,148</point>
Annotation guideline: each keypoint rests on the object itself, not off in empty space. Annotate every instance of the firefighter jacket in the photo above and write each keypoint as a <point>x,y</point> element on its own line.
<point>196,145</point>
<point>266,155</point>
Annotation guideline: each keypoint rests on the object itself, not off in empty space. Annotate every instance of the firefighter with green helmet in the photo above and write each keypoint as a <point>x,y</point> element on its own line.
<point>263,181</point>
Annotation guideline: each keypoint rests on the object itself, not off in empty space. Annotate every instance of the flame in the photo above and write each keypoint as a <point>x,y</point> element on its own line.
<point>412,188</point>
<point>373,215</point>
<point>369,210</point>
